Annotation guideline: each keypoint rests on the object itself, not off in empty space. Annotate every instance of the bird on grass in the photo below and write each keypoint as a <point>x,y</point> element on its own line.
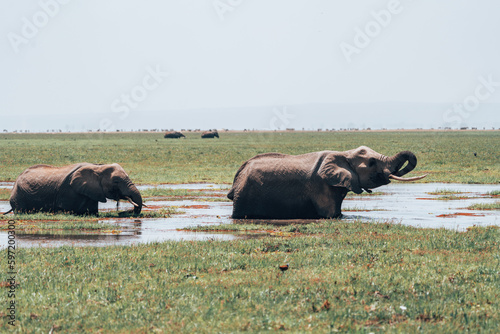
<point>284,267</point>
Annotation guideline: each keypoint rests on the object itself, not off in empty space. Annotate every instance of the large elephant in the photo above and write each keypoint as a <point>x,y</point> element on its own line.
<point>312,185</point>
<point>173,134</point>
<point>74,188</point>
<point>210,134</point>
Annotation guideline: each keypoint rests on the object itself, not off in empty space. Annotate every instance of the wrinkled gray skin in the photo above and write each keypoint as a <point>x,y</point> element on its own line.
<point>74,188</point>
<point>173,134</point>
<point>210,134</point>
<point>313,185</point>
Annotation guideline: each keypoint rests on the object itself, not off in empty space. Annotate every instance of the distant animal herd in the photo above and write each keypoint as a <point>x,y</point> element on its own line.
<point>205,134</point>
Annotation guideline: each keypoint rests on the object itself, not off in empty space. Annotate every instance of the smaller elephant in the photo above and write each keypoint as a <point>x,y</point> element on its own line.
<point>210,134</point>
<point>74,189</point>
<point>173,134</point>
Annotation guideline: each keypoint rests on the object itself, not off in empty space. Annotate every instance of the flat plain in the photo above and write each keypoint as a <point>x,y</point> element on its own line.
<point>149,158</point>
<point>343,276</point>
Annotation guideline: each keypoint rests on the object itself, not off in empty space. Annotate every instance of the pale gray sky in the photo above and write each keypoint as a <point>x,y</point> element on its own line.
<point>102,64</point>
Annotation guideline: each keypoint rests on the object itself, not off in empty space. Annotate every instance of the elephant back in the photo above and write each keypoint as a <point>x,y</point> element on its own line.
<point>37,188</point>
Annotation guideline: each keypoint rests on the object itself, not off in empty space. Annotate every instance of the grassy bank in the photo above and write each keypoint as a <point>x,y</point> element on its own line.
<point>342,277</point>
<point>68,222</point>
<point>149,158</point>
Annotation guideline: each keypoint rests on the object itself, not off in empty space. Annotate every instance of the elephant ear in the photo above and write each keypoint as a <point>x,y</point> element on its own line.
<point>85,181</point>
<point>337,172</point>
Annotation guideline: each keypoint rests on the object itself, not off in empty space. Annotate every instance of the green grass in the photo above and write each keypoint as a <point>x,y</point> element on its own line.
<point>343,276</point>
<point>4,194</point>
<point>493,193</point>
<point>60,221</point>
<point>163,212</point>
<point>450,198</point>
<point>444,192</point>
<point>148,158</point>
<point>60,225</point>
<point>485,206</point>
<point>164,194</point>
<point>42,216</point>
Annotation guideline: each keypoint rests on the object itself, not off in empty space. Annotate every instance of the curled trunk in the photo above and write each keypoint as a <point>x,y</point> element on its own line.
<point>397,162</point>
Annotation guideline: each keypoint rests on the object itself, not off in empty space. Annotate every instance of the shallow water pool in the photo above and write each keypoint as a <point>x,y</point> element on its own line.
<point>407,204</point>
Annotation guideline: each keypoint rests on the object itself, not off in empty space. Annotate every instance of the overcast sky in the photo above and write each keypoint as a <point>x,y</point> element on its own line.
<point>165,63</point>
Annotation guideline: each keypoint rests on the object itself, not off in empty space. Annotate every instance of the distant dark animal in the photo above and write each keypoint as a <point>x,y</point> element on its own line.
<point>74,188</point>
<point>210,134</point>
<point>312,185</point>
<point>284,267</point>
<point>173,134</point>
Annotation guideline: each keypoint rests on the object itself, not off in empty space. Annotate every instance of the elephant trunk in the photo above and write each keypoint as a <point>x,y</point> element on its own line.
<point>397,162</point>
<point>138,200</point>
<point>135,198</point>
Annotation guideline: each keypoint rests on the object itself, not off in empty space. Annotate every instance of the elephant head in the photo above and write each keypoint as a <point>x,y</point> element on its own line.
<point>364,169</point>
<point>100,182</point>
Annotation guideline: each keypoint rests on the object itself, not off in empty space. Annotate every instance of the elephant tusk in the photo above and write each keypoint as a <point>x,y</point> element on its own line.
<point>407,179</point>
<point>130,200</point>
<point>144,205</point>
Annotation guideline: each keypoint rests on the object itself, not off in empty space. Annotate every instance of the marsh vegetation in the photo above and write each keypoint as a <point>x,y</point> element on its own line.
<point>342,277</point>
<point>346,276</point>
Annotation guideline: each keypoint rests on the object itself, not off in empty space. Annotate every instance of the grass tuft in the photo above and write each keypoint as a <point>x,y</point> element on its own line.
<point>493,193</point>
<point>444,192</point>
<point>485,206</point>
<point>450,198</point>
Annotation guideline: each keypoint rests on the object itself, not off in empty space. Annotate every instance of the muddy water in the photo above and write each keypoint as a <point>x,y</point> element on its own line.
<point>408,204</point>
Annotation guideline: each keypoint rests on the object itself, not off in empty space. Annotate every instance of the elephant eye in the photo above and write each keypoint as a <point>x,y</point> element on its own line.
<point>371,162</point>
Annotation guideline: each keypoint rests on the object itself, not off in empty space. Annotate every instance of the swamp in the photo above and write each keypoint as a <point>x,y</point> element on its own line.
<point>406,258</point>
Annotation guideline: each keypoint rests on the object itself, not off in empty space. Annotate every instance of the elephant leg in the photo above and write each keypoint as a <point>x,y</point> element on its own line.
<point>328,203</point>
<point>239,208</point>
<point>94,208</point>
<point>87,207</point>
